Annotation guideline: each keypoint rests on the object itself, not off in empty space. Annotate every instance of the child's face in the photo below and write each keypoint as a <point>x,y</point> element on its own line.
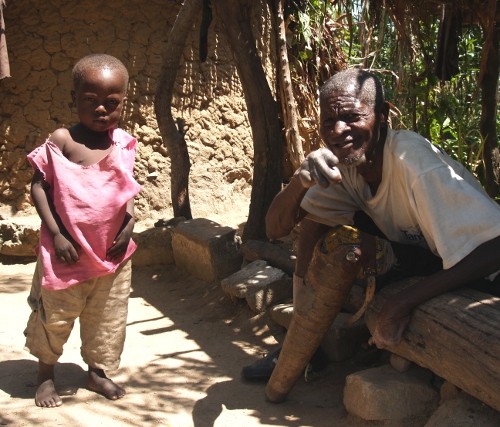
<point>99,98</point>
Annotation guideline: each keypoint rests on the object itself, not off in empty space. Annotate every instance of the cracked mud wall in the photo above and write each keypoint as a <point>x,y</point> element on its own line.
<point>45,39</point>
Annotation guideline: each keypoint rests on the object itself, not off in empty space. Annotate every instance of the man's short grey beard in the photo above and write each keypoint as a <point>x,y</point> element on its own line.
<point>354,161</point>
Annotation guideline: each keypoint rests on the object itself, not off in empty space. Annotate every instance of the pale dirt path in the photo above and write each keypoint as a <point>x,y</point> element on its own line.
<point>186,344</point>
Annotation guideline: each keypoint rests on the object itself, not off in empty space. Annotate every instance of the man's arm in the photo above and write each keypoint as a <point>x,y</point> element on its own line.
<point>284,213</point>
<point>395,314</point>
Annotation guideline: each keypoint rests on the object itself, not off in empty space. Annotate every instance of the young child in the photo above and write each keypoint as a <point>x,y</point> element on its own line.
<point>83,190</point>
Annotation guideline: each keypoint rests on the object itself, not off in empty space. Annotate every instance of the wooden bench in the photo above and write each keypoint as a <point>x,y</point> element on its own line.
<point>455,335</point>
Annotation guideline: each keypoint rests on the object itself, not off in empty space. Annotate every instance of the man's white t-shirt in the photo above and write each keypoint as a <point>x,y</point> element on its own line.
<point>425,198</point>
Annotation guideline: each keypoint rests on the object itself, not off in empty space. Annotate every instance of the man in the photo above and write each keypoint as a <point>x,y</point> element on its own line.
<point>429,206</point>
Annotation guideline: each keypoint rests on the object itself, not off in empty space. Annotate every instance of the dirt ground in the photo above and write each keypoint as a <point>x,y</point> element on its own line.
<point>186,344</point>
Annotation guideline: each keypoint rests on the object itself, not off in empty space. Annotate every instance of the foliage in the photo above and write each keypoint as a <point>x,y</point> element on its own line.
<point>454,124</point>
<point>314,54</point>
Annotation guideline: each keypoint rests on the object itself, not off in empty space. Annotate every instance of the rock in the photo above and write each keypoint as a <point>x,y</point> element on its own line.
<point>19,236</point>
<point>253,278</point>
<point>382,394</point>
<point>464,411</point>
<point>205,249</point>
<point>154,246</point>
<point>282,314</point>
<point>400,363</point>
<point>274,292</point>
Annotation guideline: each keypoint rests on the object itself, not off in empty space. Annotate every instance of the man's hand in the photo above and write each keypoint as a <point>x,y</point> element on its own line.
<point>391,323</point>
<point>319,167</point>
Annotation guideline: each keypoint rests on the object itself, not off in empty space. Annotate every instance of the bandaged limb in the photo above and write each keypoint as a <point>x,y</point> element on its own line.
<point>317,300</point>
<point>336,262</point>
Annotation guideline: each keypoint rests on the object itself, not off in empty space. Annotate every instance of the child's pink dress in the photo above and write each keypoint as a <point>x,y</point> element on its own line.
<point>91,202</point>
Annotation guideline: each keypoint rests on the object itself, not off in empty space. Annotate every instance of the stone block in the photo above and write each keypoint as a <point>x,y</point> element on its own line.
<point>399,363</point>
<point>236,285</point>
<point>282,314</point>
<point>205,249</point>
<point>342,342</point>
<point>258,282</point>
<point>274,292</point>
<point>383,394</point>
<point>154,246</point>
<point>464,411</point>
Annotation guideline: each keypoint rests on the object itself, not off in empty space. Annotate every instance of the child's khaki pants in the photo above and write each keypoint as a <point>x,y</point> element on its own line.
<point>100,304</point>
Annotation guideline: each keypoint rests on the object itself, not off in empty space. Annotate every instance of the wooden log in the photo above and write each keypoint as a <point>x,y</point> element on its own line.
<point>276,256</point>
<point>456,336</point>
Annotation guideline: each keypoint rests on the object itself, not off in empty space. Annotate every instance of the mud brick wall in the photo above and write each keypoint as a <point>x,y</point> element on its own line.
<point>45,39</point>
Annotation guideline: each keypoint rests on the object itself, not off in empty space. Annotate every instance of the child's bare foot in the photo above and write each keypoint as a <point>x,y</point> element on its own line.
<point>100,383</point>
<point>46,395</point>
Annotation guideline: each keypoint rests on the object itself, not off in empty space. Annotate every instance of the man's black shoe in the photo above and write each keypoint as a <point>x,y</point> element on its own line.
<point>319,360</point>
<point>262,369</point>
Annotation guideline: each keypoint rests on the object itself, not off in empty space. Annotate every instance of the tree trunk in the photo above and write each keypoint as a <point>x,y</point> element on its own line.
<point>172,132</point>
<point>262,113</point>
<point>456,336</point>
<point>488,81</point>
<point>289,106</point>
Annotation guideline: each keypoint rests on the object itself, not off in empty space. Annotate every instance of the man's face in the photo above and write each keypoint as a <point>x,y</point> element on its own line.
<point>348,126</point>
<point>99,99</point>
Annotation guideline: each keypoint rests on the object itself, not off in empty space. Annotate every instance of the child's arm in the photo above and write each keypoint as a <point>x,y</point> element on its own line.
<point>63,244</point>
<point>120,244</point>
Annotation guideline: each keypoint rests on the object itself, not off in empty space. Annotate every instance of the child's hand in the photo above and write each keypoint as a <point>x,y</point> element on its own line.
<point>120,244</point>
<point>66,250</point>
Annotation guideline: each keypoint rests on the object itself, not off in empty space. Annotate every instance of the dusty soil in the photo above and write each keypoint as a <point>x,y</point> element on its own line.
<point>186,344</point>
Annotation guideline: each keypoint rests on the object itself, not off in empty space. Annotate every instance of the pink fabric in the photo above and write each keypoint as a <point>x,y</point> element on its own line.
<point>91,202</point>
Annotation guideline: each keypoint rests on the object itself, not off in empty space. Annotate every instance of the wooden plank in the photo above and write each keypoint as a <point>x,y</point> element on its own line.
<point>456,336</point>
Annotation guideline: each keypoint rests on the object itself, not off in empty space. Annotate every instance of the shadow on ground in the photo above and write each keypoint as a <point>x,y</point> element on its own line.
<point>231,336</point>
<point>186,344</point>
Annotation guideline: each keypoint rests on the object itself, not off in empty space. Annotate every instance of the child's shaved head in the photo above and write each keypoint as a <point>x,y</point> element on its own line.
<point>98,61</point>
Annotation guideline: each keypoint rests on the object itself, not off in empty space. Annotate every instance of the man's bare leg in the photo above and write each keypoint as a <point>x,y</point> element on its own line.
<point>46,395</point>
<point>100,383</point>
